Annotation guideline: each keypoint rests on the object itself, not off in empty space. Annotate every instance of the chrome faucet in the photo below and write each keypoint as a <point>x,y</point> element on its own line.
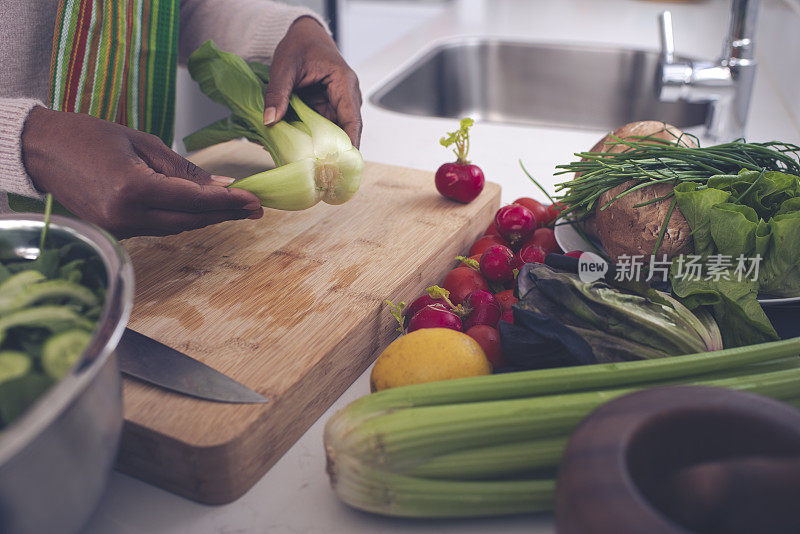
<point>726,85</point>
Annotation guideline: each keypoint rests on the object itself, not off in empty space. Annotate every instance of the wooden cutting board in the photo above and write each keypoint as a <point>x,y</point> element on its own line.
<point>292,305</point>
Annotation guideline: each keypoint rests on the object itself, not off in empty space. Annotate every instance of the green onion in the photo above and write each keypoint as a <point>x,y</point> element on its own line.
<point>452,448</point>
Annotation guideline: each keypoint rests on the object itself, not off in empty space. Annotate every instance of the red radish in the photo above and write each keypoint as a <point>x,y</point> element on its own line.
<point>425,300</point>
<point>479,246</point>
<point>545,238</point>
<point>482,308</point>
<point>461,180</point>
<point>529,254</point>
<point>506,299</point>
<point>514,223</point>
<point>540,212</point>
<point>489,339</point>
<point>461,281</point>
<point>574,253</point>
<point>508,316</point>
<point>497,264</point>
<point>434,316</point>
<point>491,230</point>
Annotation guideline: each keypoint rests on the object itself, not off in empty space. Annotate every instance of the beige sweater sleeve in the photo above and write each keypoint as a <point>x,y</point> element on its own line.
<point>13,177</point>
<point>249,28</point>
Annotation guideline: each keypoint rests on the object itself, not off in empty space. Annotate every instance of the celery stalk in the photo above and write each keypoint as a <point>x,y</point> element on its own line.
<point>417,450</point>
<point>496,461</point>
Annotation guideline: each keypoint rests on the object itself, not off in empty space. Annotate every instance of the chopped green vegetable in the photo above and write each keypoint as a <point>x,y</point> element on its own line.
<point>13,364</point>
<point>316,159</point>
<point>62,351</point>
<point>48,310</point>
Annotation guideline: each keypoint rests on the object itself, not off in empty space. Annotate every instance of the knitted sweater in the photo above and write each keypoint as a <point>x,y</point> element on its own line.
<point>250,28</point>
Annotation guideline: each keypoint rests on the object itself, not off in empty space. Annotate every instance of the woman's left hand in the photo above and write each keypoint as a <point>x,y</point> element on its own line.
<point>308,63</point>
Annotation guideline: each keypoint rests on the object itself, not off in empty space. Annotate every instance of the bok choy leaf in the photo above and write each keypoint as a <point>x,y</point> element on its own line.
<point>315,158</point>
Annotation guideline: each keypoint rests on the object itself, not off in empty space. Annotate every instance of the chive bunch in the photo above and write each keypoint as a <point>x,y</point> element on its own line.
<point>649,160</point>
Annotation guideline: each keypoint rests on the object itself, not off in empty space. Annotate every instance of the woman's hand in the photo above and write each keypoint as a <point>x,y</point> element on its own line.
<point>307,62</point>
<point>126,181</point>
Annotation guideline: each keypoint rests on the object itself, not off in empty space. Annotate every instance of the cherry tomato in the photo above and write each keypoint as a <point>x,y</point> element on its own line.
<point>491,230</point>
<point>540,212</point>
<point>545,238</point>
<point>508,316</point>
<point>480,246</point>
<point>506,299</point>
<point>462,281</point>
<point>555,210</point>
<point>489,339</point>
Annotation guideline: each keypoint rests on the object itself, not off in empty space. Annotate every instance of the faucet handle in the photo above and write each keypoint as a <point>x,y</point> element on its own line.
<point>667,38</point>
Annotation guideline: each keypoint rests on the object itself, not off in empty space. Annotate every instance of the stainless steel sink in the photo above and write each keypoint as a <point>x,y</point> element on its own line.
<point>530,83</point>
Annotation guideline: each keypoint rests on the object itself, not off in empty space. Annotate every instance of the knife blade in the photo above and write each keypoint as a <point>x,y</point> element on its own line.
<point>149,360</point>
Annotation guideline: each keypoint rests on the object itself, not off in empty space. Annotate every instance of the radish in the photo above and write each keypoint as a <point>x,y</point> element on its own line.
<point>434,316</point>
<point>540,212</point>
<point>514,223</point>
<point>482,308</point>
<point>529,254</point>
<point>497,264</point>
<point>433,295</point>
<point>460,181</point>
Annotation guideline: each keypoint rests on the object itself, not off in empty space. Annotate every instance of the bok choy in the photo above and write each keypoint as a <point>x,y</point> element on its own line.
<point>315,158</point>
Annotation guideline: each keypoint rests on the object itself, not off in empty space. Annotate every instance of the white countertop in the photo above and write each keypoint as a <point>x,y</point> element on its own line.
<point>294,496</point>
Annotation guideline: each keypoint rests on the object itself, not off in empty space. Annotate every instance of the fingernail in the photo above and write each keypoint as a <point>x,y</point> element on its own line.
<point>269,115</point>
<point>252,206</point>
<point>222,180</point>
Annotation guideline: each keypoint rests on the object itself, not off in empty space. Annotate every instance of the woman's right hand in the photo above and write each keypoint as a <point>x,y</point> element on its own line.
<point>126,181</point>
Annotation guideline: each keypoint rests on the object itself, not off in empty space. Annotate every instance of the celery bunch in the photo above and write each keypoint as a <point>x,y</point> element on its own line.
<point>490,445</point>
<point>315,158</point>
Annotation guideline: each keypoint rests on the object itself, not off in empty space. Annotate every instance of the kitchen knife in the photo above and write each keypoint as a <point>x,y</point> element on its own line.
<point>149,360</point>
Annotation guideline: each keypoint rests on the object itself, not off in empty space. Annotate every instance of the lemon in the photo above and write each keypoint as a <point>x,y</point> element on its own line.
<point>428,355</point>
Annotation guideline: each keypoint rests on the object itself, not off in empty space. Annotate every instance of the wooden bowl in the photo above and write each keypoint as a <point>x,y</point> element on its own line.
<point>618,472</point>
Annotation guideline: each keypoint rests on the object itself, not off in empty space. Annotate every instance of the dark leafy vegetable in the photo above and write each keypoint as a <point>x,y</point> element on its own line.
<point>560,320</point>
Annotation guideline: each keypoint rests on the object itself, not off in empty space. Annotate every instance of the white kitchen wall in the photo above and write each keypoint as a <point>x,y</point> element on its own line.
<point>778,52</point>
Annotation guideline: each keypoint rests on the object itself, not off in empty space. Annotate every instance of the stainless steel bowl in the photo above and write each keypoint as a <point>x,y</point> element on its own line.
<point>55,459</point>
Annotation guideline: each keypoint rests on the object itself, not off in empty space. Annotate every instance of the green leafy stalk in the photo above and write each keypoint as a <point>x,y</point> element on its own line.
<point>316,159</point>
<point>459,138</point>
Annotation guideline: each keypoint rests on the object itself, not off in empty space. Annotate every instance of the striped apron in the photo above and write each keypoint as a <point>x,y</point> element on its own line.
<point>115,60</point>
